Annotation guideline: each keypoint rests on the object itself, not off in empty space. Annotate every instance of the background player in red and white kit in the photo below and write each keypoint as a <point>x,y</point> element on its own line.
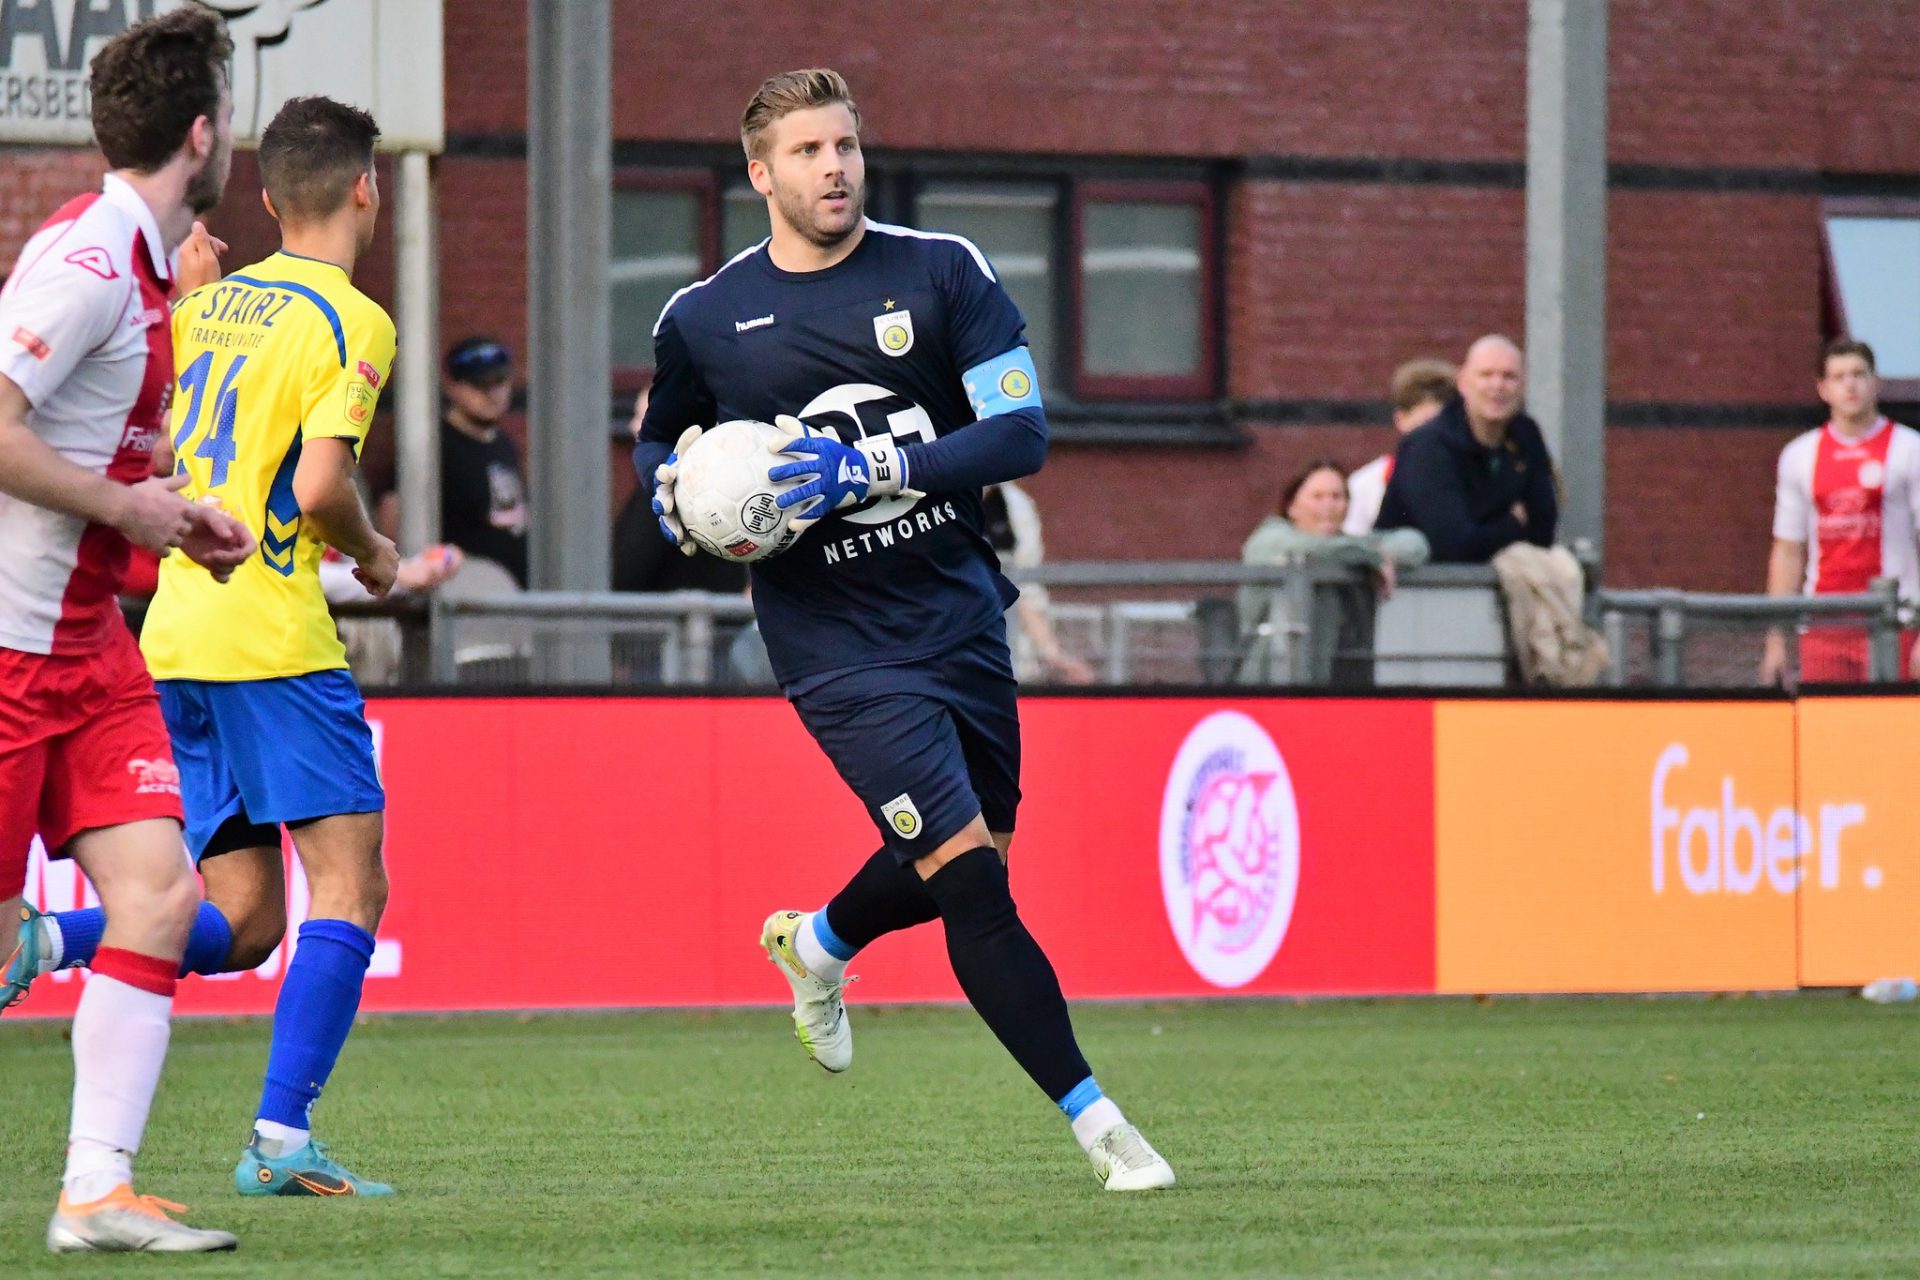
<point>86,367</point>
<point>1846,511</point>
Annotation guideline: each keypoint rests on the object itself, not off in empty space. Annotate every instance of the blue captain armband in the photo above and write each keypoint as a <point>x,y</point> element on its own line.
<point>1002,384</point>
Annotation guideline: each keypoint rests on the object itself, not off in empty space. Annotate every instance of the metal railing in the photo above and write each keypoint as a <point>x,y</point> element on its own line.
<point>1165,622</point>
<point>1169,622</point>
<point>599,637</point>
<point>1681,639</point>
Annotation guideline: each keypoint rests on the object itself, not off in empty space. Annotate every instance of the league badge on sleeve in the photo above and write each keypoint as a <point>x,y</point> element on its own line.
<point>893,330</point>
<point>363,388</point>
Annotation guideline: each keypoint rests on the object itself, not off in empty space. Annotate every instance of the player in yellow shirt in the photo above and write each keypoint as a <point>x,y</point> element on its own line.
<point>277,370</point>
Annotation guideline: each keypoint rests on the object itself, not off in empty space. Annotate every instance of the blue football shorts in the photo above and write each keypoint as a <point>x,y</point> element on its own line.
<point>925,745</point>
<point>267,752</point>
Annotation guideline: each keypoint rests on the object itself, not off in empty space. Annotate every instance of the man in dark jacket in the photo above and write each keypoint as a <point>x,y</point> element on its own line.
<point>1477,478</point>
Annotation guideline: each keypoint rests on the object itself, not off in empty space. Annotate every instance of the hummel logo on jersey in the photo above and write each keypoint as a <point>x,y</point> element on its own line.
<point>742,326</point>
<point>851,474</point>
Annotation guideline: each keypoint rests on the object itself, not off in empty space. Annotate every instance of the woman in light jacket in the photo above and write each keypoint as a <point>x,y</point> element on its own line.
<point>1307,529</point>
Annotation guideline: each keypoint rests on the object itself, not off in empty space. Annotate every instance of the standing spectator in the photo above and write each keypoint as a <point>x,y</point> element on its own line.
<point>483,495</point>
<point>1845,512</point>
<point>1013,528</point>
<point>1476,479</point>
<point>375,646</point>
<point>1420,389</point>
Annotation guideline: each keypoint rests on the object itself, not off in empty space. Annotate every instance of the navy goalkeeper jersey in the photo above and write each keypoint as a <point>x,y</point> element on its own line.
<point>882,343</point>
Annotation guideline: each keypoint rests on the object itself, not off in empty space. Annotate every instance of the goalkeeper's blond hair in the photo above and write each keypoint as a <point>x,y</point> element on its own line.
<point>786,93</point>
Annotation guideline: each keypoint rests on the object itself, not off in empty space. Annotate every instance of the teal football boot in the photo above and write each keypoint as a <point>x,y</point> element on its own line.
<point>28,960</point>
<point>310,1171</point>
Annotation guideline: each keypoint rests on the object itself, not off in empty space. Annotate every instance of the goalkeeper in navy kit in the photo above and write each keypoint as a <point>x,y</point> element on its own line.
<point>898,365</point>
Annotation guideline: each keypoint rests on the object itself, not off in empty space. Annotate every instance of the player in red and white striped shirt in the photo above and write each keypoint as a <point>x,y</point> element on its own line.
<point>86,370</point>
<point>1846,511</point>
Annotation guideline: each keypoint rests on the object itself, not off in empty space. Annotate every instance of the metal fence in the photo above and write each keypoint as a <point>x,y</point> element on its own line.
<point>1176,623</point>
<point>1132,623</point>
<point>1676,639</point>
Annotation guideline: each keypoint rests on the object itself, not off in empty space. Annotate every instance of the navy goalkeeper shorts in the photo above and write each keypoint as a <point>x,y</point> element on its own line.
<point>925,745</point>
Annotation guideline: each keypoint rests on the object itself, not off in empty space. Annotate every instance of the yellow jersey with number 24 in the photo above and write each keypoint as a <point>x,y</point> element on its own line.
<point>275,355</point>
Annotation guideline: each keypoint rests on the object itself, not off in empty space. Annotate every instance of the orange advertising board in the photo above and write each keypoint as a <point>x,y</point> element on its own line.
<point>1860,793</point>
<point>1594,846</point>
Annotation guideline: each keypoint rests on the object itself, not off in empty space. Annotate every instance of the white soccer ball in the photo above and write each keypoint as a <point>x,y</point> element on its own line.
<point>724,497</point>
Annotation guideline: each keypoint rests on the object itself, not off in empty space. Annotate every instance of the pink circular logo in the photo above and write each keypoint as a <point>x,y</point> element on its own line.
<point>1229,849</point>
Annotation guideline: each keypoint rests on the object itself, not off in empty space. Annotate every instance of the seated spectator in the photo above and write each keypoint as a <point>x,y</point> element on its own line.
<point>1476,478</point>
<point>374,645</point>
<point>1307,528</point>
<point>1420,389</point>
<point>1013,527</point>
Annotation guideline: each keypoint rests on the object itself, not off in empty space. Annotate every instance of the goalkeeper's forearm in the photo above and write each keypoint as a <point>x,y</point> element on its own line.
<point>647,457</point>
<point>1004,447</point>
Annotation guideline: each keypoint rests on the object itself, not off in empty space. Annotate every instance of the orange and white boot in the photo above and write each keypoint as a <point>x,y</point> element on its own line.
<point>122,1222</point>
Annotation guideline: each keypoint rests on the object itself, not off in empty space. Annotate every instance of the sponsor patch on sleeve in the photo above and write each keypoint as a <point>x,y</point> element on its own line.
<point>36,345</point>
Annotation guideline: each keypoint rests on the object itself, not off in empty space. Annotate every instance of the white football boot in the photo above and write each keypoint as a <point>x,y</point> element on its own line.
<point>1125,1162</point>
<point>122,1222</point>
<point>819,1011</point>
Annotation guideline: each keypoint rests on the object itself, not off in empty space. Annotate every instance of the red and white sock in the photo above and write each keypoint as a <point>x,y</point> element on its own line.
<point>120,1034</point>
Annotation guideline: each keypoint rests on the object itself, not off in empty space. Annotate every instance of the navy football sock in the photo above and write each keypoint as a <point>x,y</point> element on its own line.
<point>1003,971</point>
<point>318,999</point>
<point>883,897</point>
<point>207,945</point>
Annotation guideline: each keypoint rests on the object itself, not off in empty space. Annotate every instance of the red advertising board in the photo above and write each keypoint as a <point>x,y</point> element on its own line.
<point>573,853</point>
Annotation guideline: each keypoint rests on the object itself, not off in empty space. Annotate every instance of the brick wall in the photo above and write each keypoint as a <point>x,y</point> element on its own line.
<point>1732,110</point>
<point>1713,295</point>
<point>39,180</point>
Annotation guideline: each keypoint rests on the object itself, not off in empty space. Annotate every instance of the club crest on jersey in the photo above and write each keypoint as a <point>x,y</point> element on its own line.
<point>894,332</point>
<point>1872,474</point>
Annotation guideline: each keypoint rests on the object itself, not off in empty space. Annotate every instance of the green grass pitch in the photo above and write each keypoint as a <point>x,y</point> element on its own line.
<point>1735,1138</point>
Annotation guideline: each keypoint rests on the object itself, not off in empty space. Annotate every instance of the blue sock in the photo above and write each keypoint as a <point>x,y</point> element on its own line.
<point>1082,1096</point>
<point>830,942</point>
<point>318,999</point>
<point>207,945</point>
<point>80,935</point>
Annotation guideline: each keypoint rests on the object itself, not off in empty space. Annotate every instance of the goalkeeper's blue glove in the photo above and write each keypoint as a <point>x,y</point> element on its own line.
<point>835,475</point>
<point>664,477</point>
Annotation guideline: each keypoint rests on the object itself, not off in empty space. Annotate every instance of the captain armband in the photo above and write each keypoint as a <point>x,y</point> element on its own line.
<point>1003,384</point>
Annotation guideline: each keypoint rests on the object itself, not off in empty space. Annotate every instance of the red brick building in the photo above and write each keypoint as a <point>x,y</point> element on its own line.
<point>1288,198</point>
